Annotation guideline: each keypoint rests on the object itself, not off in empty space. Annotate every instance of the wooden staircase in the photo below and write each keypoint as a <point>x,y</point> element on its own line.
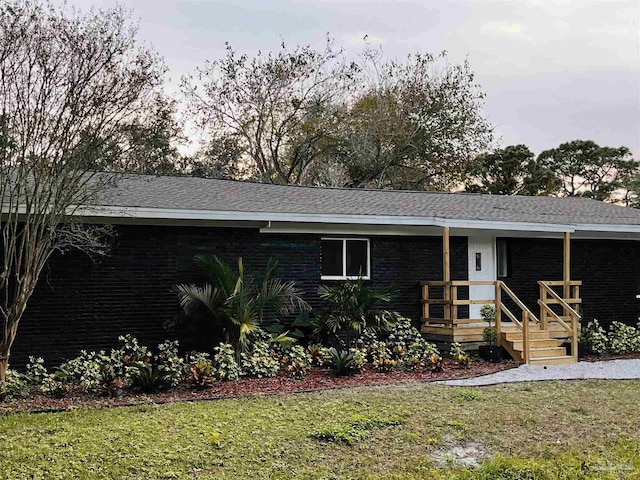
<point>540,341</point>
<point>545,346</point>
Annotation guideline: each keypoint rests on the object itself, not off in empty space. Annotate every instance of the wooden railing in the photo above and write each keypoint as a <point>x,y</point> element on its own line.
<point>569,303</point>
<point>451,301</point>
<point>522,324</point>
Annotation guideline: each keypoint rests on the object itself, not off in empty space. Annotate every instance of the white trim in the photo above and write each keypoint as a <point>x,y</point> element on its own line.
<point>344,259</point>
<point>182,214</point>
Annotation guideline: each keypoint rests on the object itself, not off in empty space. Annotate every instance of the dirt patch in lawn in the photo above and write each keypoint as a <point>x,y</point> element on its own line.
<point>316,379</point>
<point>460,455</point>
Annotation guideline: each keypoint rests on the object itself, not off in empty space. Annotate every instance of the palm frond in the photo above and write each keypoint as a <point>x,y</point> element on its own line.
<point>193,297</point>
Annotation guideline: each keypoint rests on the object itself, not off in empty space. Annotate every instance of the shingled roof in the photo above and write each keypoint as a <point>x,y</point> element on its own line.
<point>162,193</point>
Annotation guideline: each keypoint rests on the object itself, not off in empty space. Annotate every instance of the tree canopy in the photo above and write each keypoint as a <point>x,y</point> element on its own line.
<point>303,116</point>
<point>510,171</point>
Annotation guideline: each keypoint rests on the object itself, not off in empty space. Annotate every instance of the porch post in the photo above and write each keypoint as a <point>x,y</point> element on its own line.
<point>446,274</point>
<point>566,271</point>
<point>446,258</point>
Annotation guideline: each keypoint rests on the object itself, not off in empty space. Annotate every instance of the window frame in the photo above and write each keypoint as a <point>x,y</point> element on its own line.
<point>505,252</point>
<point>344,275</point>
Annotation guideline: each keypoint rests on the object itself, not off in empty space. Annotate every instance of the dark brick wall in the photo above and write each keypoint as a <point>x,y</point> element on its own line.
<point>608,270</point>
<point>85,304</point>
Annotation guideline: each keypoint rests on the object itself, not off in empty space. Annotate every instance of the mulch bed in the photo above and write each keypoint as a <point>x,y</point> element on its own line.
<point>315,380</point>
<point>603,358</point>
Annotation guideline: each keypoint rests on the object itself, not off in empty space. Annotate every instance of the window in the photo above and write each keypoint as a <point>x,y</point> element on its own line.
<point>502,258</point>
<point>345,258</point>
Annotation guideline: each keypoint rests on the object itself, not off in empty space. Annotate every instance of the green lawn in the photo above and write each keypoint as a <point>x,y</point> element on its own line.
<point>582,429</point>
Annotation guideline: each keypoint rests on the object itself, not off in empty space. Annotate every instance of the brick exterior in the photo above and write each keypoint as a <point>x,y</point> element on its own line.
<point>85,304</point>
<point>608,270</point>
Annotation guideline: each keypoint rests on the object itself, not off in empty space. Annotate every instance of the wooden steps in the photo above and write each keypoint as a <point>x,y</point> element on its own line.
<point>545,346</point>
<point>559,360</point>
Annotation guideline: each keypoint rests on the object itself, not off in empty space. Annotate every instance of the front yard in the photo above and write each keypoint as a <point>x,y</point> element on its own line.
<point>580,429</point>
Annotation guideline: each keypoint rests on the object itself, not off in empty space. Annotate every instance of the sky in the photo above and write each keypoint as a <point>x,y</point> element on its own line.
<point>553,70</point>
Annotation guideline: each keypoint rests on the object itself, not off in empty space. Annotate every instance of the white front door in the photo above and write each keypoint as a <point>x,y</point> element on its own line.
<point>482,266</point>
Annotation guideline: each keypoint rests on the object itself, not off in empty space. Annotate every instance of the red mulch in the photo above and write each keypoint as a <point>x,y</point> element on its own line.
<point>595,358</point>
<point>316,379</point>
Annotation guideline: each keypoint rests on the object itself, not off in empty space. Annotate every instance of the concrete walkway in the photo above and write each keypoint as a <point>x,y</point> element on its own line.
<point>612,370</point>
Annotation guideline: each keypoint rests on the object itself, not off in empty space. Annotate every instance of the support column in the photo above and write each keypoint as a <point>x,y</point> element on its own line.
<point>566,270</point>
<point>446,273</point>
<point>446,257</point>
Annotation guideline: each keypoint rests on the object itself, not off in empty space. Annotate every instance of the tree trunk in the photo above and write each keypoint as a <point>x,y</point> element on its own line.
<point>4,364</point>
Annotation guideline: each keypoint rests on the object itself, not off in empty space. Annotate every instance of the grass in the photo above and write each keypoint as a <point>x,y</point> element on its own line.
<point>581,429</point>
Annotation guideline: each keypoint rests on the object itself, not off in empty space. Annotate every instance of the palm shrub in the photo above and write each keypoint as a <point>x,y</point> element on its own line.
<point>342,362</point>
<point>238,302</point>
<point>352,308</point>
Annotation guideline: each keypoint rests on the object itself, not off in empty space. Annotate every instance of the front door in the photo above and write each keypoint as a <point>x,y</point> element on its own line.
<point>482,266</point>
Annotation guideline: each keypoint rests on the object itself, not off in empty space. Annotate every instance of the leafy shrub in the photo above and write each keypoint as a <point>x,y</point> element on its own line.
<point>36,371</point>
<point>317,354</point>
<point>436,363</point>
<point>459,355</point>
<point>623,339</point>
<point>489,334</point>
<point>359,428</point>
<point>381,357</point>
<point>488,314</point>
<point>403,334</point>
<point>419,354</point>
<point>359,358</point>
<point>170,362</point>
<point>56,384</point>
<point>201,374</point>
<point>225,366</point>
<point>402,343</point>
<point>352,308</point>
<point>260,361</point>
<point>595,338</point>
<point>342,362</point>
<point>297,361</point>
<point>15,385</point>
<point>87,371</point>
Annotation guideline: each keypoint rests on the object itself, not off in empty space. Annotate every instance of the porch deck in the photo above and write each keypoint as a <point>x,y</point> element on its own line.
<point>528,338</point>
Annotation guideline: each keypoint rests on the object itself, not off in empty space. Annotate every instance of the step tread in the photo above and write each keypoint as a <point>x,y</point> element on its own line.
<point>560,359</point>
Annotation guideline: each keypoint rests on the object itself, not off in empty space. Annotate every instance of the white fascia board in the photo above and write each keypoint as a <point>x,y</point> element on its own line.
<point>295,218</point>
<point>590,227</point>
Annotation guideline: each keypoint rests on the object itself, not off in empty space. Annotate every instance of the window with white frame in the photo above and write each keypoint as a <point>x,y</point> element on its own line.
<point>502,254</point>
<point>345,258</point>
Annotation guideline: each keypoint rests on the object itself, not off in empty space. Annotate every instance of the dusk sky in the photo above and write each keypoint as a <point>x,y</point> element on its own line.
<point>553,70</point>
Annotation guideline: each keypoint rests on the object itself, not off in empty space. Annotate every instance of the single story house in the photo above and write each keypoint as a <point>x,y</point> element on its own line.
<point>546,263</point>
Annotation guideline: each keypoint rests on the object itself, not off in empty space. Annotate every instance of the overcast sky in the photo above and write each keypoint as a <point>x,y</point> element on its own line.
<point>553,70</point>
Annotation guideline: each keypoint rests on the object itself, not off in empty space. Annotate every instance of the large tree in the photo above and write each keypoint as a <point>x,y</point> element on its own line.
<point>71,86</point>
<point>416,124</point>
<point>276,109</point>
<point>583,168</point>
<point>310,117</point>
<point>512,170</point>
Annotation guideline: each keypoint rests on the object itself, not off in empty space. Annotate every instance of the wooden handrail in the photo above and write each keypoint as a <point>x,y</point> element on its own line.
<point>545,289</point>
<point>559,283</point>
<point>555,316</point>
<point>561,301</point>
<point>458,283</point>
<point>517,301</point>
